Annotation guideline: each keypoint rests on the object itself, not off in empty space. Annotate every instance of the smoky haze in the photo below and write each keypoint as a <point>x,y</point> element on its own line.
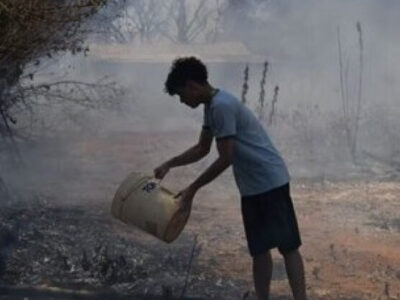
<point>300,41</point>
<point>331,106</point>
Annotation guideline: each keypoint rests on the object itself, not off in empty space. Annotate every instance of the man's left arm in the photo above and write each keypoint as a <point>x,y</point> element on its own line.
<point>224,160</point>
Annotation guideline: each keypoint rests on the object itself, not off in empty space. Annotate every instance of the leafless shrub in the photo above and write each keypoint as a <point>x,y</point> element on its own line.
<point>194,22</point>
<point>273,106</point>
<point>141,20</point>
<point>245,86</point>
<point>261,99</point>
<point>27,35</point>
<point>30,34</point>
<point>351,106</point>
<point>64,101</point>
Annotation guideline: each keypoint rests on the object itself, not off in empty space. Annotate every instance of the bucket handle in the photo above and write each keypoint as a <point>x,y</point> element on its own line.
<point>155,180</point>
<point>158,183</point>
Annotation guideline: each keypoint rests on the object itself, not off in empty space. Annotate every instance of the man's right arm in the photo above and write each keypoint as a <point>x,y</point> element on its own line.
<point>193,154</point>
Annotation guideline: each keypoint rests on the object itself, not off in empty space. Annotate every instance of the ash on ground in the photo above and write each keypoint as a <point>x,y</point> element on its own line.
<point>48,251</point>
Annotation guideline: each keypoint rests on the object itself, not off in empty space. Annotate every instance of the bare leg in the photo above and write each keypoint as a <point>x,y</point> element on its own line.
<point>295,271</point>
<point>262,273</point>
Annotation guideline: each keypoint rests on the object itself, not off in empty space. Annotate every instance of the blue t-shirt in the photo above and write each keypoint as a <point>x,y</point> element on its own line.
<point>257,165</point>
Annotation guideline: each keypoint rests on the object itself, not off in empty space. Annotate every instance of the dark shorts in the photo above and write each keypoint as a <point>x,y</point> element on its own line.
<point>270,221</point>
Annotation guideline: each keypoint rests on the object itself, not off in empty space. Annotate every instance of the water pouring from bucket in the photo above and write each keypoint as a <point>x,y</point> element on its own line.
<point>141,201</point>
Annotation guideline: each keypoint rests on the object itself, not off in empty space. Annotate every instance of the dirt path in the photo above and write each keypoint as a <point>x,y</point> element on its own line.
<point>350,232</point>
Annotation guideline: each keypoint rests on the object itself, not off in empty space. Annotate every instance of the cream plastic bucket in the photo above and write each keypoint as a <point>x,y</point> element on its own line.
<point>141,201</point>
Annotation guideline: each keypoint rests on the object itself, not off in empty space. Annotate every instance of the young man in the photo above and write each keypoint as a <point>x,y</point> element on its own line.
<point>260,173</point>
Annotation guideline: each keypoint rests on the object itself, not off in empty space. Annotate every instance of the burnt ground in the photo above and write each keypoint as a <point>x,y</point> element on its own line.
<point>63,243</point>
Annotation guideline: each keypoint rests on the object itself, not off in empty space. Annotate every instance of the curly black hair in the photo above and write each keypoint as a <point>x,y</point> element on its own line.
<point>183,69</point>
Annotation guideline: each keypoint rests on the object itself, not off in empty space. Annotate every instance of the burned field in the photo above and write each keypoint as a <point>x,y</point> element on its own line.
<point>64,244</point>
<point>89,255</point>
